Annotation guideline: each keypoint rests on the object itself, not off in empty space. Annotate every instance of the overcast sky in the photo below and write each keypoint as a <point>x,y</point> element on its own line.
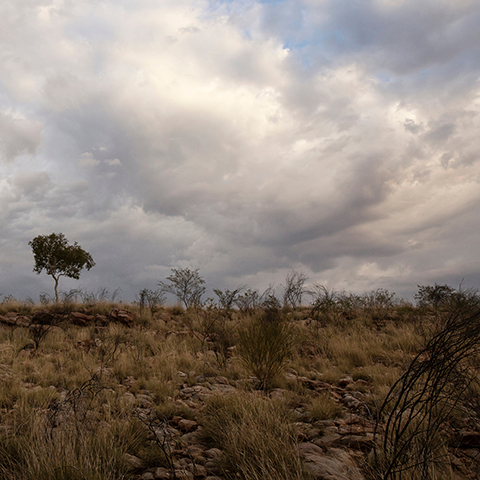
<point>244,138</point>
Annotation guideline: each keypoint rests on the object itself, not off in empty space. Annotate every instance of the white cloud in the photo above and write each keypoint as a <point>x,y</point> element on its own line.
<point>114,162</point>
<point>87,160</point>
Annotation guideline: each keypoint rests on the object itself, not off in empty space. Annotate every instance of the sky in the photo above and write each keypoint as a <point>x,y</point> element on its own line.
<point>244,138</point>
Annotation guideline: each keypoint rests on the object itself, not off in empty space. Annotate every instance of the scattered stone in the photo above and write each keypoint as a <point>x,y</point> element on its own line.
<point>327,440</point>
<point>351,402</point>
<point>81,319</point>
<point>187,425</point>
<point>215,453</point>
<point>357,442</point>
<point>122,316</point>
<point>198,471</point>
<point>195,451</point>
<point>343,382</point>
<point>222,380</point>
<point>133,461</point>
<point>162,474</point>
<point>8,320</point>
<point>183,475</point>
<point>336,464</point>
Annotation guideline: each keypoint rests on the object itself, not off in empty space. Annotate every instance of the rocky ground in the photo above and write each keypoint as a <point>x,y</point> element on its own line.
<point>333,449</point>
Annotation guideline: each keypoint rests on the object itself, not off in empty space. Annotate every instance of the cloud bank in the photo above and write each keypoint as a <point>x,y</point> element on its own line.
<point>242,138</point>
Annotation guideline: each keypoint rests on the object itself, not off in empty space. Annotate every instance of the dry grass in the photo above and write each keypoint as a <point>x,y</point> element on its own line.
<point>159,355</point>
<point>256,435</point>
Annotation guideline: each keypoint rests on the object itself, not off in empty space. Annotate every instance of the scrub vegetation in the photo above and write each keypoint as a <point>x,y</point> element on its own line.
<point>272,385</point>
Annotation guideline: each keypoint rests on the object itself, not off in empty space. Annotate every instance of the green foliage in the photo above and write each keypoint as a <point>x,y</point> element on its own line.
<point>53,254</point>
<point>433,295</point>
<point>187,285</point>
<point>447,298</point>
<point>264,348</point>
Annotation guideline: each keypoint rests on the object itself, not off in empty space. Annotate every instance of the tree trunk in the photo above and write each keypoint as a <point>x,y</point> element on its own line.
<point>56,287</point>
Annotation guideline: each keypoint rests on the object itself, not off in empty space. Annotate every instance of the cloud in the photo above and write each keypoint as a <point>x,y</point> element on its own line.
<point>87,160</point>
<point>20,135</point>
<point>113,163</point>
<point>338,138</point>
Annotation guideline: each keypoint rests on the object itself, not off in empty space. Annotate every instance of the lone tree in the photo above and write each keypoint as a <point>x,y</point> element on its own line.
<point>186,285</point>
<point>53,254</point>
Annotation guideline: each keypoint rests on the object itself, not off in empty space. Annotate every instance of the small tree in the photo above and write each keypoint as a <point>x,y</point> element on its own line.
<point>186,285</point>
<point>53,254</point>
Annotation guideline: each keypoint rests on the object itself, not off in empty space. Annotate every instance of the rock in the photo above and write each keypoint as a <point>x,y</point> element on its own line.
<point>472,453</point>
<point>222,380</point>
<point>130,397</point>
<point>187,425</point>
<point>467,438</point>
<point>8,320</point>
<point>81,319</point>
<point>195,451</point>
<point>357,442</point>
<point>327,440</point>
<point>122,316</point>
<point>148,476</point>
<point>183,475</point>
<point>191,438</point>
<point>162,473</point>
<point>198,471</point>
<point>214,453</point>
<point>133,461</point>
<point>351,430</point>
<point>351,402</point>
<point>221,388</point>
<point>336,464</point>
<point>343,382</point>
<point>144,401</point>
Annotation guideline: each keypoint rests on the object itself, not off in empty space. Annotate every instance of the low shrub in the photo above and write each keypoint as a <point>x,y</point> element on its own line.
<point>264,348</point>
<point>256,436</point>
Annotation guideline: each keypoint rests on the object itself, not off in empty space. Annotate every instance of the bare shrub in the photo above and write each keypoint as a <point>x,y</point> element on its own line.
<point>432,390</point>
<point>151,300</point>
<point>187,285</point>
<point>294,289</point>
<point>227,299</point>
<point>325,304</point>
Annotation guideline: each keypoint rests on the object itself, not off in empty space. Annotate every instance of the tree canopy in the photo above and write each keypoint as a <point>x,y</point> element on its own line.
<point>58,258</point>
<point>186,285</point>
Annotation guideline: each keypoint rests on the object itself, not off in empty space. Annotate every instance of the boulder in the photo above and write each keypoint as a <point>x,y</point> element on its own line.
<point>335,464</point>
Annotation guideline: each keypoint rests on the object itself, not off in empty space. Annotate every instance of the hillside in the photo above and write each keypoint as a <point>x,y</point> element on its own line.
<point>115,391</point>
